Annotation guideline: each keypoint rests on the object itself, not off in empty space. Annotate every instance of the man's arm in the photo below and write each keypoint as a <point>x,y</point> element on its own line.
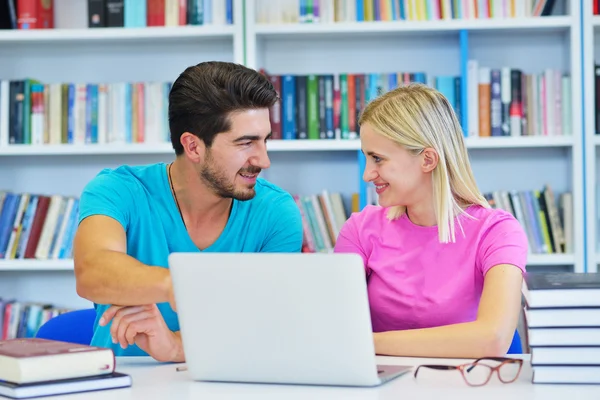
<point>489,335</point>
<point>105,274</point>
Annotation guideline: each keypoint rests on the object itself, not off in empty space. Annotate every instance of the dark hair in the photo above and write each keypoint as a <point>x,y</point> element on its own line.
<point>204,95</point>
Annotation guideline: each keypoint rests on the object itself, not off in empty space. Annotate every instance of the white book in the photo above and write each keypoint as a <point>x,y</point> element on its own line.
<point>322,226</point>
<point>102,113</point>
<point>565,356</point>
<point>473,97</point>
<point>219,13</point>
<point>566,374</point>
<point>549,103</point>
<point>171,12</point>
<point>55,114</point>
<point>567,112</point>
<point>331,215</point>
<point>557,82</point>
<point>4,111</point>
<point>65,386</point>
<point>64,223</point>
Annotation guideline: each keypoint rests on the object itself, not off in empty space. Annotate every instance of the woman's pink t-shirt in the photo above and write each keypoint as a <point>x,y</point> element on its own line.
<point>414,281</point>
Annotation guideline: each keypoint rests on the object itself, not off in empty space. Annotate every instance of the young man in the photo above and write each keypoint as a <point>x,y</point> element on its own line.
<point>209,199</point>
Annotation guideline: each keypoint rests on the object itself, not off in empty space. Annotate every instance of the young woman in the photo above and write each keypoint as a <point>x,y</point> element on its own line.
<point>444,270</point>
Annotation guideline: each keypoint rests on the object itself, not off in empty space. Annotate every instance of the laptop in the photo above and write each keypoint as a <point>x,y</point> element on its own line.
<point>287,318</point>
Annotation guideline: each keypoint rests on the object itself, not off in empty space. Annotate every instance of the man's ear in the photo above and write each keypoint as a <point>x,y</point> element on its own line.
<point>193,147</point>
<point>430,159</point>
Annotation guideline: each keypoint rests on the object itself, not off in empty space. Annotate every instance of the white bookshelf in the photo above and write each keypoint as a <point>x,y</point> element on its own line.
<point>67,264</point>
<point>591,50</point>
<point>35,265</point>
<point>525,25</point>
<point>273,146</point>
<point>119,54</point>
<point>101,55</point>
<point>131,35</point>
<point>504,163</point>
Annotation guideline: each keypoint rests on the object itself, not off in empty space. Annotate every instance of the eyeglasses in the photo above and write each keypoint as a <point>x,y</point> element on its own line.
<point>478,372</point>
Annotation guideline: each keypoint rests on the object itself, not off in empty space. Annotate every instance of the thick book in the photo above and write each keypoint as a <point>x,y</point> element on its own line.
<point>567,355</point>
<point>567,289</point>
<point>566,336</point>
<point>575,374</point>
<point>37,360</point>
<point>562,317</point>
<point>64,386</point>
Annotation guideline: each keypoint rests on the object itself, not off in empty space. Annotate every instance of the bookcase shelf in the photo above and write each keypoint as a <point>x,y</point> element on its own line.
<point>591,52</point>
<point>161,53</point>
<point>545,24</point>
<point>274,145</point>
<point>36,265</point>
<point>519,142</point>
<point>117,34</point>
<point>67,265</point>
<point>550,259</point>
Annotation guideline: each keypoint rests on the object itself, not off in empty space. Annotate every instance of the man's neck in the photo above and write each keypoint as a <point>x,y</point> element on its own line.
<point>198,204</point>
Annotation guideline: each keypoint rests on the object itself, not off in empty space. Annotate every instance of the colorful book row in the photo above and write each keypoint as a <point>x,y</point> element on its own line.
<point>36,226</point>
<point>23,320</point>
<point>330,11</point>
<point>327,106</point>
<point>80,113</point>
<point>67,14</point>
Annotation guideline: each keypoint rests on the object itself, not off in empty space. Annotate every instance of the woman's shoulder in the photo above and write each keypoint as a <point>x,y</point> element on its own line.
<point>495,219</point>
<point>489,214</point>
<point>368,216</point>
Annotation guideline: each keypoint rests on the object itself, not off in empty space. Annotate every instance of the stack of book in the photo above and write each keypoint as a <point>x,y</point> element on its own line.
<point>563,325</point>
<point>38,367</point>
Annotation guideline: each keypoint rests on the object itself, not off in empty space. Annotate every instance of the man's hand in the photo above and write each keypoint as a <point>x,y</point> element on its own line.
<point>145,327</point>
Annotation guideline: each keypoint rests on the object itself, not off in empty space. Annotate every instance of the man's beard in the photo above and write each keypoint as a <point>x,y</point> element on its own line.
<point>223,187</point>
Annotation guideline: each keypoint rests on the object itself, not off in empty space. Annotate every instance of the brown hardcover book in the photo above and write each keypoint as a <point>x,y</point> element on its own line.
<point>275,110</point>
<point>485,128</point>
<point>36,226</point>
<point>37,360</point>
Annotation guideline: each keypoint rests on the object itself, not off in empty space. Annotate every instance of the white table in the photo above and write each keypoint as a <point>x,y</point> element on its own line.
<point>153,380</point>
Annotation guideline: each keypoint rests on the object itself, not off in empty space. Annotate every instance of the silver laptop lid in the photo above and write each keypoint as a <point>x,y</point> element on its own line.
<point>275,317</point>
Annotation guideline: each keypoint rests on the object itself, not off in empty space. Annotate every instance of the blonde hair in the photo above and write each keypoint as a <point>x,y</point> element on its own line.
<point>419,117</point>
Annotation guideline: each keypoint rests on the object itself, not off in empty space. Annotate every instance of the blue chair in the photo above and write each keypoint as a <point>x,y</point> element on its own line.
<point>515,347</point>
<point>73,327</point>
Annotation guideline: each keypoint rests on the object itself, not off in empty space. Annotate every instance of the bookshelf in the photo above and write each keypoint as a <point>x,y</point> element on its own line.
<point>131,35</point>
<point>101,55</point>
<point>273,146</point>
<point>368,28</point>
<point>591,52</point>
<point>161,53</point>
<point>530,44</point>
<point>67,264</point>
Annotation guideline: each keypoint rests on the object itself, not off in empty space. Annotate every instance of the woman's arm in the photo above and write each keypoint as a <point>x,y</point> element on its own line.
<point>490,335</point>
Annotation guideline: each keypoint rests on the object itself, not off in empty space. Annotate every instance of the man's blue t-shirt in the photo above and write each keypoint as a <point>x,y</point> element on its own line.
<point>139,197</point>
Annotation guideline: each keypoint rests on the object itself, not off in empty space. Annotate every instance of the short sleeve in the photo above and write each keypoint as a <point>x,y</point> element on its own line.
<point>503,242</point>
<point>284,229</point>
<point>107,194</point>
<point>348,241</point>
